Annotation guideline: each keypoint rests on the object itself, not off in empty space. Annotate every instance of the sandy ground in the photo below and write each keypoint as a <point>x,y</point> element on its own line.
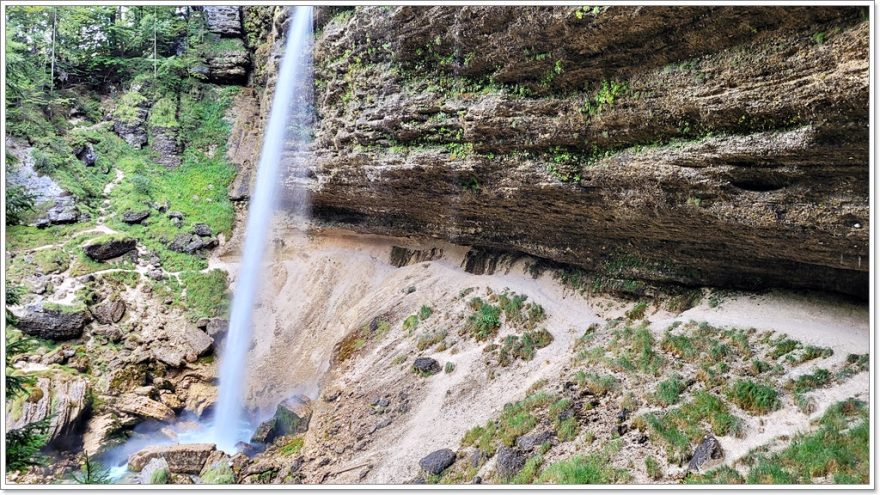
<point>323,285</point>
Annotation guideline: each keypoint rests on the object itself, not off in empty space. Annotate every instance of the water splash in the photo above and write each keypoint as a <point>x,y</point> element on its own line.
<point>288,129</point>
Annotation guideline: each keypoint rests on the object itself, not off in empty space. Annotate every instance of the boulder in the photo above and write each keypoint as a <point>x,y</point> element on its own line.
<point>426,366</point>
<point>224,20</point>
<point>104,249</point>
<point>191,243</point>
<point>293,415</point>
<point>60,397</point>
<point>436,462</point>
<point>202,230</point>
<point>63,212</point>
<point>100,433</point>
<point>529,442</point>
<point>144,407</point>
<point>181,458</point>
<point>132,217</point>
<point>264,433</point>
<point>229,63</point>
<point>176,347</point>
<point>108,311</point>
<point>133,131</point>
<point>508,461</point>
<point>52,324</point>
<point>708,450</point>
<point>216,328</point>
<point>87,155</point>
<point>156,472</point>
<point>200,397</point>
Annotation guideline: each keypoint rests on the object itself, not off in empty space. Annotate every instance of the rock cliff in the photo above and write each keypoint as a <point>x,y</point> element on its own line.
<point>723,146</point>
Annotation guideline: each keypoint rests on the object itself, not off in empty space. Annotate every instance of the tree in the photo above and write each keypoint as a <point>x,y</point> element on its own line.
<point>18,202</point>
<point>92,473</point>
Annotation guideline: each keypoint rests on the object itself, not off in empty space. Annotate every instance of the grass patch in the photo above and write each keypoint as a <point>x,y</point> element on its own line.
<point>838,449</point>
<point>485,320</point>
<point>686,425</point>
<point>669,391</point>
<point>523,346</point>
<point>291,447</point>
<point>593,469</point>
<point>811,381</point>
<point>754,397</point>
<point>206,293</point>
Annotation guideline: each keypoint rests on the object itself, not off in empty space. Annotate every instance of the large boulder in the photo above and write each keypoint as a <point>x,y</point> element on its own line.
<point>182,458</point>
<point>134,217</point>
<point>100,433</point>
<point>293,415</point>
<point>156,472</point>
<point>52,323</point>
<point>200,397</point>
<point>108,311</point>
<point>144,407</point>
<point>60,397</point>
<point>174,348</point>
<point>191,243</point>
<point>87,155</point>
<point>508,461</point>
<point>707,451</point>
<point>105,248</point>
<point>62,212</point>
<point>436,462</point>
<point>529,442</point>
<point>426,366</point>
<point>224,20</point>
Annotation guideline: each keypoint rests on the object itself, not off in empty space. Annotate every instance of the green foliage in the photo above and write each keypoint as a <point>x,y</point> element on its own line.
<point>637,312</point>
<point>523,346</point>
<point>92,473</point>
<point>24,444</point>
<point>669,391</point>
<point>164,113</point>
<point>219,473</point>
<point>516,419</point>
<point>652,467</point>
<point>754,397</point>
<point>292,447</point>
<point>810,381</point>
<point>722,475</point>
<point>130,107</point>
<point>18,202</point>
<point>425,312</point>
<point>449,367</point>
<point>839,448</point>
<point>159,477</point>
<point>485,320</point>
<point>601,385</point>
<point>411,322</point>
<point>593,469</point>
<point>206,293</point>
<point>609,92</point>
<point>16,383</point>
<point>679,427</point>
<point>635,350</point>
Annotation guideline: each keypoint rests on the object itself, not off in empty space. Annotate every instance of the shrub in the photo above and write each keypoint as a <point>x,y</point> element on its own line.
<point>18,203</point>
<point>754,397</point>
<point>425,312</point>
<point>485,321</point>
<point>583,470</point>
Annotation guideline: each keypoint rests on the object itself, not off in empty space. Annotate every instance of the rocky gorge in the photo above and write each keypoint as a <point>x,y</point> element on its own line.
<point>543,241</point>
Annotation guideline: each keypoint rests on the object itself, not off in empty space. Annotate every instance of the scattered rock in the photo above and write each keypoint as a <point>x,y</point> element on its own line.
<point>108,311</point>
<point>52,324</point>
<point>144,407</point>
<point>87,155</point>
<point>202,230</point>
<point>508,461</point>
<point>183,458</point>
<point>426,366</point>
<point>63,212</point>
<point>156,472</point>
<point>102,250</point>
<point>529,442</point>
<point>709,449</point>
<point>191,243</point>
<point>437,461</point>
<point>135,217</point>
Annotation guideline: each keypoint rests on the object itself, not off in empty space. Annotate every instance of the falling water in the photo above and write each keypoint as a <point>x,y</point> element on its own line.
<point>288,119</point>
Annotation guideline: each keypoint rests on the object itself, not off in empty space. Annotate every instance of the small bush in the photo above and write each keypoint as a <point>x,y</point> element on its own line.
<point>804,383</point>
<point>411,322</point>
<point>485,320</point>
<point>449,367</point>
<point>425,312</point>
<point>754,397</point>
<point>637,312</point>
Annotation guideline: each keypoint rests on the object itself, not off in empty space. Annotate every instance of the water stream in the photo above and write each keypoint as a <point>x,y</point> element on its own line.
<point>287,129</point>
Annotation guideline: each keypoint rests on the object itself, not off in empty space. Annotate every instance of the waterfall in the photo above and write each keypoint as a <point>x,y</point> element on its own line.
<point>288,129</point>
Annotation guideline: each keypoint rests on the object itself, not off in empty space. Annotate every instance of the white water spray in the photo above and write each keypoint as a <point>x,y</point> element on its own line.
<point>291,111</point>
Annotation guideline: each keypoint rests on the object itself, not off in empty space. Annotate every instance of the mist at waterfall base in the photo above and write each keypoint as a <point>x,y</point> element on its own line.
<point>286,135</point>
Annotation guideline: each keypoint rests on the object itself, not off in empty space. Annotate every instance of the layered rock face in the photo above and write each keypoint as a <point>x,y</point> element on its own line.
<point>723,146</point>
